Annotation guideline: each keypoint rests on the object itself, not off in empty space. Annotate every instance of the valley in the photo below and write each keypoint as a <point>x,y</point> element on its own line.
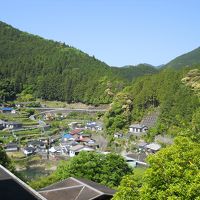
<point>65,115</point>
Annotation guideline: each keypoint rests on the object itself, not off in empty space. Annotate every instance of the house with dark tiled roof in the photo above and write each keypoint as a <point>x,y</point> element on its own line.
<point>138,128</point>
<point>13,125</point>
<point>77,189</point>
<point>12,187</point>
<point>12,147</point>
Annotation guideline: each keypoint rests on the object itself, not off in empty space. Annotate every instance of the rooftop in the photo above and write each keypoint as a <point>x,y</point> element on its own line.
<point>12,187</point>
<point>77,147</point>
<point>153,146</point>
<point>76,188</point>
<point>137,126</point>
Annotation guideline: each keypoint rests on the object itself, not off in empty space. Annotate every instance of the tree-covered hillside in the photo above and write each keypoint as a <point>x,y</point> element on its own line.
<point>52,70</point>
<point>55,71</point>
<point>165,91</point>
<point>187,59</point>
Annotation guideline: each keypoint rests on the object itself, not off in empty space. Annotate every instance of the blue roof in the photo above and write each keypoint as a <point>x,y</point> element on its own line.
<point>67,136</point>
<point>7,109</point>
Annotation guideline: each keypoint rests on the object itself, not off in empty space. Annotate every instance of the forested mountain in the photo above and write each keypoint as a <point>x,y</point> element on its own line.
<point>52,70</point>
<point>55,71</point>
<point>187,59</point>
<point>131,72</point>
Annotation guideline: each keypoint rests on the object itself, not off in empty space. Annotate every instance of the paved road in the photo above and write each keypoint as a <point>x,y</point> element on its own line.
<point>64,110</point>
<point>70,109</point>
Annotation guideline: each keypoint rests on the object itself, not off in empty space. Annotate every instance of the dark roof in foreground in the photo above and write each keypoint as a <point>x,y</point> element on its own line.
<point>76,188</point>
<point>12,188</point>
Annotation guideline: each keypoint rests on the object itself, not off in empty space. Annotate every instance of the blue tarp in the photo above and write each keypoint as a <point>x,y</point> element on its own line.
<point>7,109</point>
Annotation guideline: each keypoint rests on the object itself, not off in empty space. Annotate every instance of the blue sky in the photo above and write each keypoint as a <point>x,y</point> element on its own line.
<point>118,32</point>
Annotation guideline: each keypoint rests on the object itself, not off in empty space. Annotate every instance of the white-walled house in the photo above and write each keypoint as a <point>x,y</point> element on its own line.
<point>137,128</point>
<point>28,151</point>
<point>74,150</point>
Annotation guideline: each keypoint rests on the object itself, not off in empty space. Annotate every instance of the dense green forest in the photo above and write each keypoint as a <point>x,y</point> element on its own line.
<point>166,91</point>
<point>55,71</point>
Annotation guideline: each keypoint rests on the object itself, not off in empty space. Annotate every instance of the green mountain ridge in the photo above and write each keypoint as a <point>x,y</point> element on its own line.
<point>55,71</point>
<point>131,72</point>
<point>185,60</point>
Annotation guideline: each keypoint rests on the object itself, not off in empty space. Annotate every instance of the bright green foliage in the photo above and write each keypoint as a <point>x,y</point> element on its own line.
<point>44,181</point>
<point>174,172</point>
<point>193,130</point>
<point>105,169</point>
<point>119,114</point>
<point>128,189</point>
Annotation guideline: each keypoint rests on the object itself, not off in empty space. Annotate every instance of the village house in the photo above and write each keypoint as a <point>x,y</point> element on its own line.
<point>153,147</point>
<point>137,129</point>
<point>75,150</point>
<point>7,110</point>
<point>56,149</point>
<point>37,144</point>
<point>92,143</point>
<point>12,187</point>
<point>118,135</point>
<point>75,125</point>
<point>130,161</point>
<point>11,147</point>
<point>139,158</point>
<point>13,125</point>
<point>28,151</point>
<point>83,138</point>
<point>77,188</point>
<point>76,131</point>
<point>141,146</point>
<point>66,137</point>
<point>93,126</point>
